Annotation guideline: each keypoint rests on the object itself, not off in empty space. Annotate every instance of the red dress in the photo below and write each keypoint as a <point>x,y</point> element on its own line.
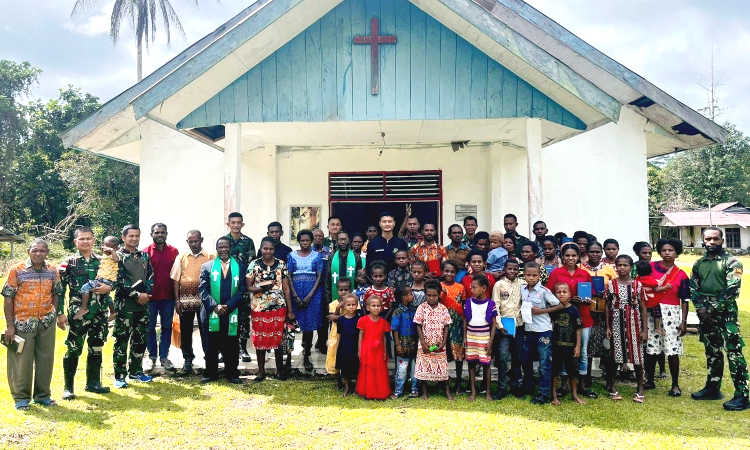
<point>373,381</point>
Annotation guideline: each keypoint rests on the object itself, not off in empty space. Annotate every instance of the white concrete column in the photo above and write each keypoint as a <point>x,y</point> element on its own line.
<point>495,185</point>
<point>232,168</point>
<point>270,185</point>
<point>534,166</point>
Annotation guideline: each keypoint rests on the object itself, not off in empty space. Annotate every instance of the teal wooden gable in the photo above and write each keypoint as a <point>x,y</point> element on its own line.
<point>430,73</point>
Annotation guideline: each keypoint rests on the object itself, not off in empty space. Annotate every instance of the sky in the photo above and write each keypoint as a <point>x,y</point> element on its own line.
<point>668,42</point>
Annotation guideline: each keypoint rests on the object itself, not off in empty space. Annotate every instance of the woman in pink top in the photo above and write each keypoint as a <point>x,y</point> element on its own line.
<point>571,275</point>
<point>674,307</point>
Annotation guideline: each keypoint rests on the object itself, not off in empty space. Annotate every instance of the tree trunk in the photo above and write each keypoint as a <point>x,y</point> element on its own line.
<point>139,62</point>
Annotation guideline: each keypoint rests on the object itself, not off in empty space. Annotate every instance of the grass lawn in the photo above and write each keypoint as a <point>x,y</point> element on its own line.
<point>180,413</point>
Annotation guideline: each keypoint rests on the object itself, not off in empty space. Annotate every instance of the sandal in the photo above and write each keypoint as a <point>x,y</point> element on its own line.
<point>22,405</point>
<point>615,396</point>
<point>47,402</point>
<point>675,392</point>
<point>639,398</point>
<point>414,395</point>
<point>259,378</point>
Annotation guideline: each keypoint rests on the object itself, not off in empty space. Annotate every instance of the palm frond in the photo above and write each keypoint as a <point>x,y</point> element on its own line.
<point>83,6</point>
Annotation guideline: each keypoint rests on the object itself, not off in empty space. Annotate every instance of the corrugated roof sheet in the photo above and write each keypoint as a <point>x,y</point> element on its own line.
<point>706,218</point>
<point>8,236</point>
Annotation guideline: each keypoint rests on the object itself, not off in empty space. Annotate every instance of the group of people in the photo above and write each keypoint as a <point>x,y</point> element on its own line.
<point>372,297</point>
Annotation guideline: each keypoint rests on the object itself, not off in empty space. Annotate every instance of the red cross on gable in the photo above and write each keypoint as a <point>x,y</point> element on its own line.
<point>373,40</point>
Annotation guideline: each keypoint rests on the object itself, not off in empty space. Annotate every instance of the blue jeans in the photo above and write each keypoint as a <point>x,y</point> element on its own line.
<point>508,353</point>
<point>583,364</point>
<point>402,368</point>
<point>538,343</point>
<point>165,310</point>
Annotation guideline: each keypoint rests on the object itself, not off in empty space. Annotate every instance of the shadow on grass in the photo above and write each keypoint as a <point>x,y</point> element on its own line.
<point>660,414</point>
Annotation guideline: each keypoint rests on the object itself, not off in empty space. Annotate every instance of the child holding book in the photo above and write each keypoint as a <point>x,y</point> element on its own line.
<point>405,337</point>
<point>418,272</point>
<point>538,303</point>
<point>347,361</point>
<point>510,331</point>
<point>627,325</point>
<point>373,381</point>
<point>433,321</point>
<point>479,330</point>
<point>334,308</point>
<point>107,274</point>
<point>402,272</point>
<point>453,297</point>
<point>650,289</point>
<point>566,342</point>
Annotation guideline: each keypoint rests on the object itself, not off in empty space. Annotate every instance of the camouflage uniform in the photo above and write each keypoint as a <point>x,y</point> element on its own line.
<point>75,271</point>
<point>243,250</point>
<point>715,285</point>
<point>131,323</point>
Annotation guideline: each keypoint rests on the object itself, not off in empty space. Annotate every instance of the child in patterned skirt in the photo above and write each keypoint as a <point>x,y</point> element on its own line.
<point>432,320</point>
<point>479,329</point>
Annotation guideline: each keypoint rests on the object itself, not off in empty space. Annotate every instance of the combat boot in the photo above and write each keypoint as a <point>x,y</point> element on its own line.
<point>93,375</point>
<point>710,392</point>
<point>70,365</point>
<point>738,403</point>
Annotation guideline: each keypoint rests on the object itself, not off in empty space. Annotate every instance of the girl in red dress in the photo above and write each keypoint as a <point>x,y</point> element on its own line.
<point>374,380</point>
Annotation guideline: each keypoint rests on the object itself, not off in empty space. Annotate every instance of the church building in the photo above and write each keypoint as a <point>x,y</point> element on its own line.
<point>296,110</point>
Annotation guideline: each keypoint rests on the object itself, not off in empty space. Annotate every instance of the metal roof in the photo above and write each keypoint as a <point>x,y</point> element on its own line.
<point>706,218</point>
<point>8,236</point>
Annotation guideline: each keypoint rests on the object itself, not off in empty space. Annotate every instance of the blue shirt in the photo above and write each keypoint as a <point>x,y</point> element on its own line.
<point>497,259</point>
<point>402,320</point>
<point>540,297</point>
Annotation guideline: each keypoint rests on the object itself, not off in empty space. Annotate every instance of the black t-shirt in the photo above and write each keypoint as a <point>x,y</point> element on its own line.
<point>380,249</point>
<point>567,322</point>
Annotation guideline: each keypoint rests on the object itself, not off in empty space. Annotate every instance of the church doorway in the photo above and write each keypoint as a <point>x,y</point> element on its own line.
<point>359,198</point>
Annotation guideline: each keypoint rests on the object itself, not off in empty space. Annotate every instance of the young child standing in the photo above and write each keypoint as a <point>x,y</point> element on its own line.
<point>402,272</point>
<point>418,271</point>
<point>538,303</point>
<point>507,298</point>
<point>432,320</point>
<point>362,285</point>
<point>479,330</point>
<point>650,289</point>
<point>453,297</point>
<point>476,261</point>
<point>626,317</point>
<point>379,287</point>
<point>566,342</point>
<point>107,274</point>
<point>373,381</point>
<point>347,361</point>
<point>344,286</point>
<point>405,336</point>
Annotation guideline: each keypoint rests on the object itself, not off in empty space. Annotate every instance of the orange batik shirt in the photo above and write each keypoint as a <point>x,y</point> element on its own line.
<point>33,293</point>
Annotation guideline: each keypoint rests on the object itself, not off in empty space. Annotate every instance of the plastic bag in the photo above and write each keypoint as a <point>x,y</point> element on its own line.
<point>176,332</point>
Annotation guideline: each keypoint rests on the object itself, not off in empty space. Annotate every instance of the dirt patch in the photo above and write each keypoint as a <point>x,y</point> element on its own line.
<point>248,403</point>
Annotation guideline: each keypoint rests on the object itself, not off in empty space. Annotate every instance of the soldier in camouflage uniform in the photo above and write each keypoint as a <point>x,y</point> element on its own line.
<point>75,271</point>
<point>135,280</point>
<point>714,288</point>
<point>243,250</point>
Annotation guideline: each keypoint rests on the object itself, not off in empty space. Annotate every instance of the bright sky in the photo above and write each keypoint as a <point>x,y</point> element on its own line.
<point>669,42</point>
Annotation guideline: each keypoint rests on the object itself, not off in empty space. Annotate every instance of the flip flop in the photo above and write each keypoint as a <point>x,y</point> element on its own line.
<point>47,402</point>
<point>639,398</point>
<point>615,396</point>
<point>22,405</point>
<point>414,395</point>
<point>675,392</point>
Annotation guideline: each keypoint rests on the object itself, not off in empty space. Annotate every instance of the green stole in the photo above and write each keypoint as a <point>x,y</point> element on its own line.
<point>214,323</point>
<point>351,268</point>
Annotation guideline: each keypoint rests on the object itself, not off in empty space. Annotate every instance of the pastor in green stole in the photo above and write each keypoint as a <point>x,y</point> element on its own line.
<point>351,271</point>
<point>216,275</point>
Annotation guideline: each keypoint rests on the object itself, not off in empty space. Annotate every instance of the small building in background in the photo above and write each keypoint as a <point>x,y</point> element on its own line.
<point>732,218</point>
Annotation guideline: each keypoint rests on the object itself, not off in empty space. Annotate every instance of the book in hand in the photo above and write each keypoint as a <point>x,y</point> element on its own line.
<point>16,345</point>
<point>597,283</point>
<point>509,324</point>
<point>584,291</point>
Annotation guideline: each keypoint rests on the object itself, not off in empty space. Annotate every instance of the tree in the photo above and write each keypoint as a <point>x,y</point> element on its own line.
<point>143,16</point>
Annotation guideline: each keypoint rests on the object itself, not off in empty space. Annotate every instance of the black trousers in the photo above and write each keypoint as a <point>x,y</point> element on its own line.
<point>229,347</point>
<point>186,334</point>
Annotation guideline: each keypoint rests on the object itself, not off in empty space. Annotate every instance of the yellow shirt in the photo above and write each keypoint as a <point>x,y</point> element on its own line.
<point>107,269</point>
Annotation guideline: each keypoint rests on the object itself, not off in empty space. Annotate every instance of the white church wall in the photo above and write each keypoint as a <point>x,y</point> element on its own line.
<point>302,177</point>
<point>177,188</point>
<point>597,182</point>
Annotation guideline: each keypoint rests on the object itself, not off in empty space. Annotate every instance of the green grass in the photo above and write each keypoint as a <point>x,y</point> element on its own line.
<point>180,413</point>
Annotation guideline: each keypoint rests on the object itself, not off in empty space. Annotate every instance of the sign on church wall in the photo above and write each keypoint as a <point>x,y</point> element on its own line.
<point>464,211</point>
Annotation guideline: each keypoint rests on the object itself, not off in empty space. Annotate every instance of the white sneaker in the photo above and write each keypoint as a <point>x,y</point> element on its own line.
<point>149,364</point>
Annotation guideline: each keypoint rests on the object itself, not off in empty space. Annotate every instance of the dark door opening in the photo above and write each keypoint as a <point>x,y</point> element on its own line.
<point>359,198</point>
<point>355,216</point>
